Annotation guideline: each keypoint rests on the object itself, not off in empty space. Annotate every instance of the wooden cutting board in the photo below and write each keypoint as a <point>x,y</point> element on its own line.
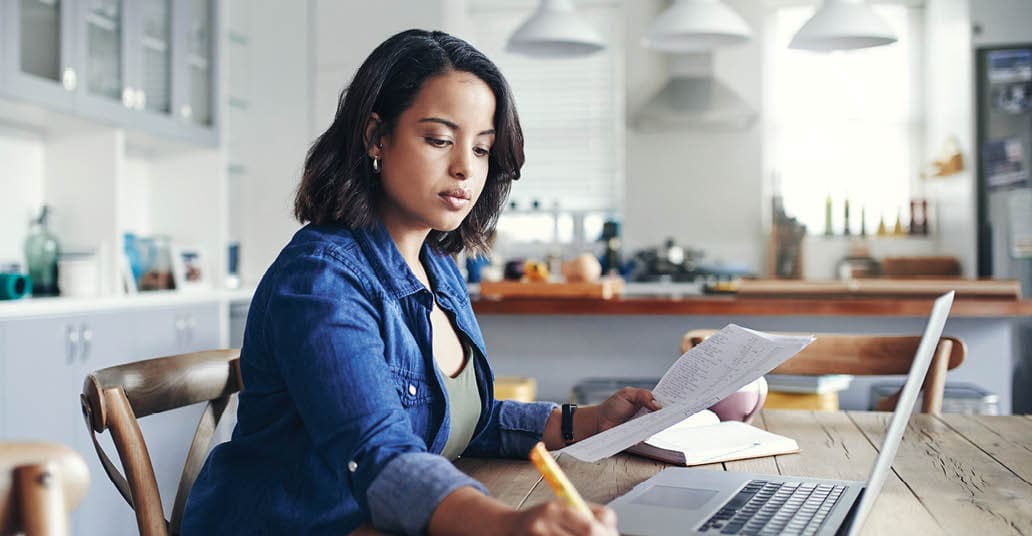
<point>605,289</point>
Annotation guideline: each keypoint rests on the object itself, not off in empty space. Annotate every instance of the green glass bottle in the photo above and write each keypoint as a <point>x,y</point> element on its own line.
<point>41,251</point>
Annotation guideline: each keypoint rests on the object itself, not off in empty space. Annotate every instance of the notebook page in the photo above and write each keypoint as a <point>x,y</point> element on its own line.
<point>724,363</point>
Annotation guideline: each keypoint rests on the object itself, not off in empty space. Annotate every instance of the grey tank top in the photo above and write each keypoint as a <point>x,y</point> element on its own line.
<point>463,408</point>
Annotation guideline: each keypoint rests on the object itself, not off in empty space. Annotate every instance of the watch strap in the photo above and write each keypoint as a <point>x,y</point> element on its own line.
<point>567,422</point>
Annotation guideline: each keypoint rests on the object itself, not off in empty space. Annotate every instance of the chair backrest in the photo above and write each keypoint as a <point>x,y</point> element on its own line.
<point>867,355</point>
<point>115,397</point>
<point>40,483</point>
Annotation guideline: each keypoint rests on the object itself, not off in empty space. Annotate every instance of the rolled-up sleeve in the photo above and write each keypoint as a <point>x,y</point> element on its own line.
<point>512,429</point>
<point>324,333</point>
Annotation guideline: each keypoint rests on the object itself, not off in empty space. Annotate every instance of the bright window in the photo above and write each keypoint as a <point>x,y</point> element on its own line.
<point>845,124</point>
<point>572,114</point>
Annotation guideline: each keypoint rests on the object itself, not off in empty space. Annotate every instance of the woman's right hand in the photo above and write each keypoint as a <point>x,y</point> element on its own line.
<point>555,518</point>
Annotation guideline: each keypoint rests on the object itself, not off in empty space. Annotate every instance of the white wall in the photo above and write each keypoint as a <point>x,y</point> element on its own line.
<point>345,34</point>
<point>949,112</point>
<point>270,138</point>
<point>701,188</point>
<point>21,190</point>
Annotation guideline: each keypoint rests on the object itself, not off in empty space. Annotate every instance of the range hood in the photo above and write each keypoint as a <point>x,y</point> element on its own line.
<point>694,100</point>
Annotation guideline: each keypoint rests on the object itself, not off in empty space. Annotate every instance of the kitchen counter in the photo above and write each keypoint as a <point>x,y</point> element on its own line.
<point>638,336</point>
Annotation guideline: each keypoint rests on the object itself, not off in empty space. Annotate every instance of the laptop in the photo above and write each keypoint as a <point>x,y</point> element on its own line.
<point>679,500</point>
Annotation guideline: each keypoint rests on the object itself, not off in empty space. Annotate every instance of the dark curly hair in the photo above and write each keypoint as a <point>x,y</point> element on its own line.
<point>339,186</point>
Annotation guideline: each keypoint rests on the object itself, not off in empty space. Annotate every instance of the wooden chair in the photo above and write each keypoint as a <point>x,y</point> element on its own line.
<point>867,355</point>
<point>40,483</point>
<point>115,397</point>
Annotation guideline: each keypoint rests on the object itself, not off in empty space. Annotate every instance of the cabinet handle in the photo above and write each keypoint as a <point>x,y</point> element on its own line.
<point>86,334</point>
<point>69,79</point>
<point>180,332</point>
<point>71,344</point>
<point>191,323</point>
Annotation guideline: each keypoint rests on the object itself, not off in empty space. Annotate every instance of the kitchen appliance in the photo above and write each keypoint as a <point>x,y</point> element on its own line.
<point>1003,85</point>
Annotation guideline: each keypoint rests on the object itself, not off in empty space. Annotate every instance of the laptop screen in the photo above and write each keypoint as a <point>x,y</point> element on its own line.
<point>904,408</point>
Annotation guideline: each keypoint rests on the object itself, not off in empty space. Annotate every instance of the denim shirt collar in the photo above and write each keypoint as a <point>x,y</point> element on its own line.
<point>392,270</point>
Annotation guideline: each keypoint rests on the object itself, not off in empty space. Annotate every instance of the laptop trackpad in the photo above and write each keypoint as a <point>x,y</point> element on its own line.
<point>674,497</point>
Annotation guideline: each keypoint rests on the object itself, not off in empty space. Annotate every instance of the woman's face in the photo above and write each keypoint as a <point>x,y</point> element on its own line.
<point>435,162</point>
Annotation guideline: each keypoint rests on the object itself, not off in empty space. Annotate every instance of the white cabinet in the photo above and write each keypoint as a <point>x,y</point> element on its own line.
<point>43,362</point>
<point>176,330</point>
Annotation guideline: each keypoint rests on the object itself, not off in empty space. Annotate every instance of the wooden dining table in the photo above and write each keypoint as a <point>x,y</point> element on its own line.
<point>953,474</point>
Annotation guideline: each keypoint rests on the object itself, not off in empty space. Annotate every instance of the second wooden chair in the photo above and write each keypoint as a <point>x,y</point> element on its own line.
<point>867,355</point>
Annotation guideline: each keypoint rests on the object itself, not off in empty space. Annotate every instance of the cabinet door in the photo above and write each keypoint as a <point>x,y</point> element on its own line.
<point>195,69</point>
<point>41,384</point>
<point>177,330</point>
<point>202,324</point>
<point>38,48</point>
<point>162,332</point>
<point>105,340</point>
<point>151,52</point>
<point>102,46</point>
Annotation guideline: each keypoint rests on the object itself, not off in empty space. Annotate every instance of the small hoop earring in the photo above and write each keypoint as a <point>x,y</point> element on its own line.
<point>376,165</point>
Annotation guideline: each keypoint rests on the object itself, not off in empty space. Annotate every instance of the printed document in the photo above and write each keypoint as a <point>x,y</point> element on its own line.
<point>724,363</point>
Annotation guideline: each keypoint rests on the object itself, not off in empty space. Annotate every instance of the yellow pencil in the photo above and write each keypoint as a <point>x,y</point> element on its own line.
<point>555,477</point>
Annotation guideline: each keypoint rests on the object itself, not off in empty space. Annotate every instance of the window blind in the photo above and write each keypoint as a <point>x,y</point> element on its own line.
<point>571,110</point>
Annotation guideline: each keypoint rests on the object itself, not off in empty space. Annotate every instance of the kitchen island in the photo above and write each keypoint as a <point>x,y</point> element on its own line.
<point>561,341</point>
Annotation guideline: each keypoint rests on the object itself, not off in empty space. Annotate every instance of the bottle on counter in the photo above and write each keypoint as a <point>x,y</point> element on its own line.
<point>898,230</point>
<point>924,217</point>
<point>863,221</point>
<point>882,229</point>
<point>915,227</point>
<point>845,218</point>
<point>41,252</point>
<point>611,256</point>
<point>827,216</point>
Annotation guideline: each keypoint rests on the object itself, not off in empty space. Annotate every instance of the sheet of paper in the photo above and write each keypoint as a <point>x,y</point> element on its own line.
<point>724,363</point>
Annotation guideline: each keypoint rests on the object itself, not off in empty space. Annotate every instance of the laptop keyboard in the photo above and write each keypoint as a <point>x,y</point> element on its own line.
<point>768,508</point>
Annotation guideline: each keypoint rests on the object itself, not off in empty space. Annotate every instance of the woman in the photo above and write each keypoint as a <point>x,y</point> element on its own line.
<point>364,369</point>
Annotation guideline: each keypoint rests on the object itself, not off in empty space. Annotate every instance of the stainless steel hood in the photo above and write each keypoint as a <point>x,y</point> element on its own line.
<point>694,100</point>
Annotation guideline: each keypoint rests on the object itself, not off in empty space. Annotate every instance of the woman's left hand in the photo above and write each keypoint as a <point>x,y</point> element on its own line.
<point>620,407</point>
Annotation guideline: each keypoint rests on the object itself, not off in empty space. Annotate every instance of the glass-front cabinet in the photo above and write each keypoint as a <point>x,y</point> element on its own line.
<point>39,51</point>
<point>144,64</point>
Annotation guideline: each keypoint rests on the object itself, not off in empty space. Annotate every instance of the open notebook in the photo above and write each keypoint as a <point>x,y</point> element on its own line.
<point>703,438</point>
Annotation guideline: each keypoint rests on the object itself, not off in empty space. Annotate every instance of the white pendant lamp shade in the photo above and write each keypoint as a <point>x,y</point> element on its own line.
<point>555,31</point>
<point>694,26</point>
<point>843,25</point>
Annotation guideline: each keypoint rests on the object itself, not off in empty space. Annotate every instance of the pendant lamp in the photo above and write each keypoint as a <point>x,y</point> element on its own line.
<point>843,25</point>
<point>555,31</point>
<point>694,26</point>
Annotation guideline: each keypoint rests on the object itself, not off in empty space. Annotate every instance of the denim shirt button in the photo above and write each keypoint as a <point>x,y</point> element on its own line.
<point>352,466</point>
<point>412,389</point>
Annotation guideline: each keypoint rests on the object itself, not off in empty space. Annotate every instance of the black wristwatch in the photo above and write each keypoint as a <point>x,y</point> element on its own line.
<point>567,424</point>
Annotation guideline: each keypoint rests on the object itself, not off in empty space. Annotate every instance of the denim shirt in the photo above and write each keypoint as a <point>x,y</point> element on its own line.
<point>343,416</point>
